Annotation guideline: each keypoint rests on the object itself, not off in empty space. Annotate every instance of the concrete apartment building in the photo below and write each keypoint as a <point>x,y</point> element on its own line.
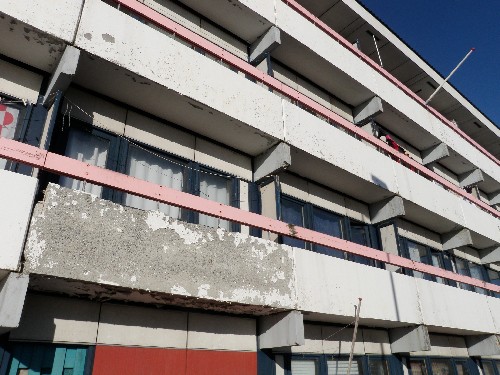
<point>208,187</point>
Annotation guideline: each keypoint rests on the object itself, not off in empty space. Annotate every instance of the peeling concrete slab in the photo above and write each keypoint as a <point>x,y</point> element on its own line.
<point>77,236</point>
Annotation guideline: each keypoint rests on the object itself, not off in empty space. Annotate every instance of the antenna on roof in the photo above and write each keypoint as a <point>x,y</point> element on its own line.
<point>449,75</point>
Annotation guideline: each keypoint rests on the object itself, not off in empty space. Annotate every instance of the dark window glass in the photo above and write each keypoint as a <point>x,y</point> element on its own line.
<point>379,367</point>
<point>462,269</point>
<point>494,277</point>
<point>418,367</point>
<point>488,368</point>
<point>462,368</point>
<point>476,271</point>
<point>360,234</point>
<point>441,367</point>
<point>292,213</point>
<point>327,223</point>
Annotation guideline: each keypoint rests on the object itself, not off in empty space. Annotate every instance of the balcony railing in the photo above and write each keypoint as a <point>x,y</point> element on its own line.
<point>64,166</point>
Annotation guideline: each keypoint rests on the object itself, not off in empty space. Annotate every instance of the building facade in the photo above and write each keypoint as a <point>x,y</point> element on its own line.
<point>215,187</point>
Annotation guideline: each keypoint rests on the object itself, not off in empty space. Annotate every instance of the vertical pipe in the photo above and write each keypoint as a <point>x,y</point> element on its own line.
<point>358,308</point>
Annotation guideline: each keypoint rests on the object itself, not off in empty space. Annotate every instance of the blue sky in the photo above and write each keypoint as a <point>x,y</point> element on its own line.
<point>442,32</point>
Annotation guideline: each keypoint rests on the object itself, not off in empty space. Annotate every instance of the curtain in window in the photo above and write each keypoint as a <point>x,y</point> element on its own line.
<point>305,367</point>
<point>418,253</point>
<point>91,149</point>
<point>339,367</point>
<point>214,188</point>
<point>361,236</point>
<point>147,166</point>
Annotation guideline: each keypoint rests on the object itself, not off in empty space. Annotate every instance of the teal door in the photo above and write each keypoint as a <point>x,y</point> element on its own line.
<point>43,359</point>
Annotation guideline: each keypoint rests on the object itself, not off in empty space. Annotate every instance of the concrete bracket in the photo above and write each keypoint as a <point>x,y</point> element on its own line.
<point>482,345</point>
<point>435,153</point>
<point>409,339</point>
<point>471,178</point>
<point>274,160</point>
<point>490,255</point>
<point>367,111</point>
<point>456,239</point>
<point>494,198</point>
<point>265,44</point>
<point>63,75</point>
<point>12,294</point>
<point>281,330</point>
<point>387,209</point>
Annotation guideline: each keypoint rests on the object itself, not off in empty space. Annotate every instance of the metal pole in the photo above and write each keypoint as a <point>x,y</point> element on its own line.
<point>354,336</point>
<point>378,52</point>
<point>449,76</point>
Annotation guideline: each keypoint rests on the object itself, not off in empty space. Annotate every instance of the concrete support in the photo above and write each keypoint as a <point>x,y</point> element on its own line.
<point>471,178</point>
<point>265,44</point>
<point>276,159</point>
<point>482,345</point>
<point>494,198</point>
<point>281,330</point>
<point>435,153</point>
<point>63,75</point>
<point>409,339</point>
<point>368,110</point>
<point>12,293</point>
<point>387,209</point>
<point>490,255</point>
<point>456,239</point>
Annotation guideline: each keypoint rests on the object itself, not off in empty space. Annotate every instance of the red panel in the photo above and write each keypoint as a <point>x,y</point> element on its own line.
<point>116,360</point>
<point>211,362</point>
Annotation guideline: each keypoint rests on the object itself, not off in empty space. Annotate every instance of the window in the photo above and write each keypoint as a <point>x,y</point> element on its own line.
<point>441,367</point>
<point>379,367</point>
<point>296,212</point>
<point>45,359</point>
<point>427,255</point>
<point>494,277</point>
<point>99,148</point>
<point>326,364</point>
<point>305,367</point>
<point>418,367</point>
<point>488,368</point>
<point>340,367</point>
<point>13,118</point>
<point>467,268</point>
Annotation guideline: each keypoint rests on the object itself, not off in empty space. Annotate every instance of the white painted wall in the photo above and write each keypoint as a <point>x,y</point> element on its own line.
<point>17,193</point>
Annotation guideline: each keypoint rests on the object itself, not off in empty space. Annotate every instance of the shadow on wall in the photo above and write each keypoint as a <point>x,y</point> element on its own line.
<point>377,181</point>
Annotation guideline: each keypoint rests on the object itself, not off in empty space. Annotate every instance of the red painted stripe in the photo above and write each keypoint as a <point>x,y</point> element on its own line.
<point>210,362</point>
<point>339,38</point>
<point>65,166</point>
<point>193,38</point>
<point>116,360</point>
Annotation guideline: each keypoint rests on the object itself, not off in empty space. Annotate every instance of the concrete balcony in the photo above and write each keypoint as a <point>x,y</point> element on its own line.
<point>82,245</point>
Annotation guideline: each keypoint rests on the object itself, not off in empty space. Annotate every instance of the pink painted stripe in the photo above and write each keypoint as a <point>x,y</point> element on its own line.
<point>197,40</point>
<point>65,166</point>
<point>333,34</point>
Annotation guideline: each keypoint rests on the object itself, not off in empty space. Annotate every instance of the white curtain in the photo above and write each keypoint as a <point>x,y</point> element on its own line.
<point>304,367</point>
<point>339,367</point>
<point>214,188</point>
<point>9,117</point>
<point>146,166</point>
<point>90,149</point>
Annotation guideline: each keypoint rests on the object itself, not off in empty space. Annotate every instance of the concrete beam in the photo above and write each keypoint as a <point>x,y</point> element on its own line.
<point>490,255</point>
<point>387,209</point>
<point>12,294</point>
<point>281,330</point>
<point>63,75</point>
<point>266,43</point>
<point>471,178</point>
<point>274,160</point>
<point>456,239</point>
<point>482,345</point>
<point>494,198</point>
<point>409,339</point>
<point>435,153</point>
<point>367,111</point>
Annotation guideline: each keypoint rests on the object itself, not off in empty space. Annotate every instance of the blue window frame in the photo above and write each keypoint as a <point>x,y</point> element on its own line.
<point>441,366</point>
<point>307,364</point>
<point>477,271</point>
<point>490,367</point>
<point>97,147</point>
<point>45,359</point>
<point>296,212</point>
